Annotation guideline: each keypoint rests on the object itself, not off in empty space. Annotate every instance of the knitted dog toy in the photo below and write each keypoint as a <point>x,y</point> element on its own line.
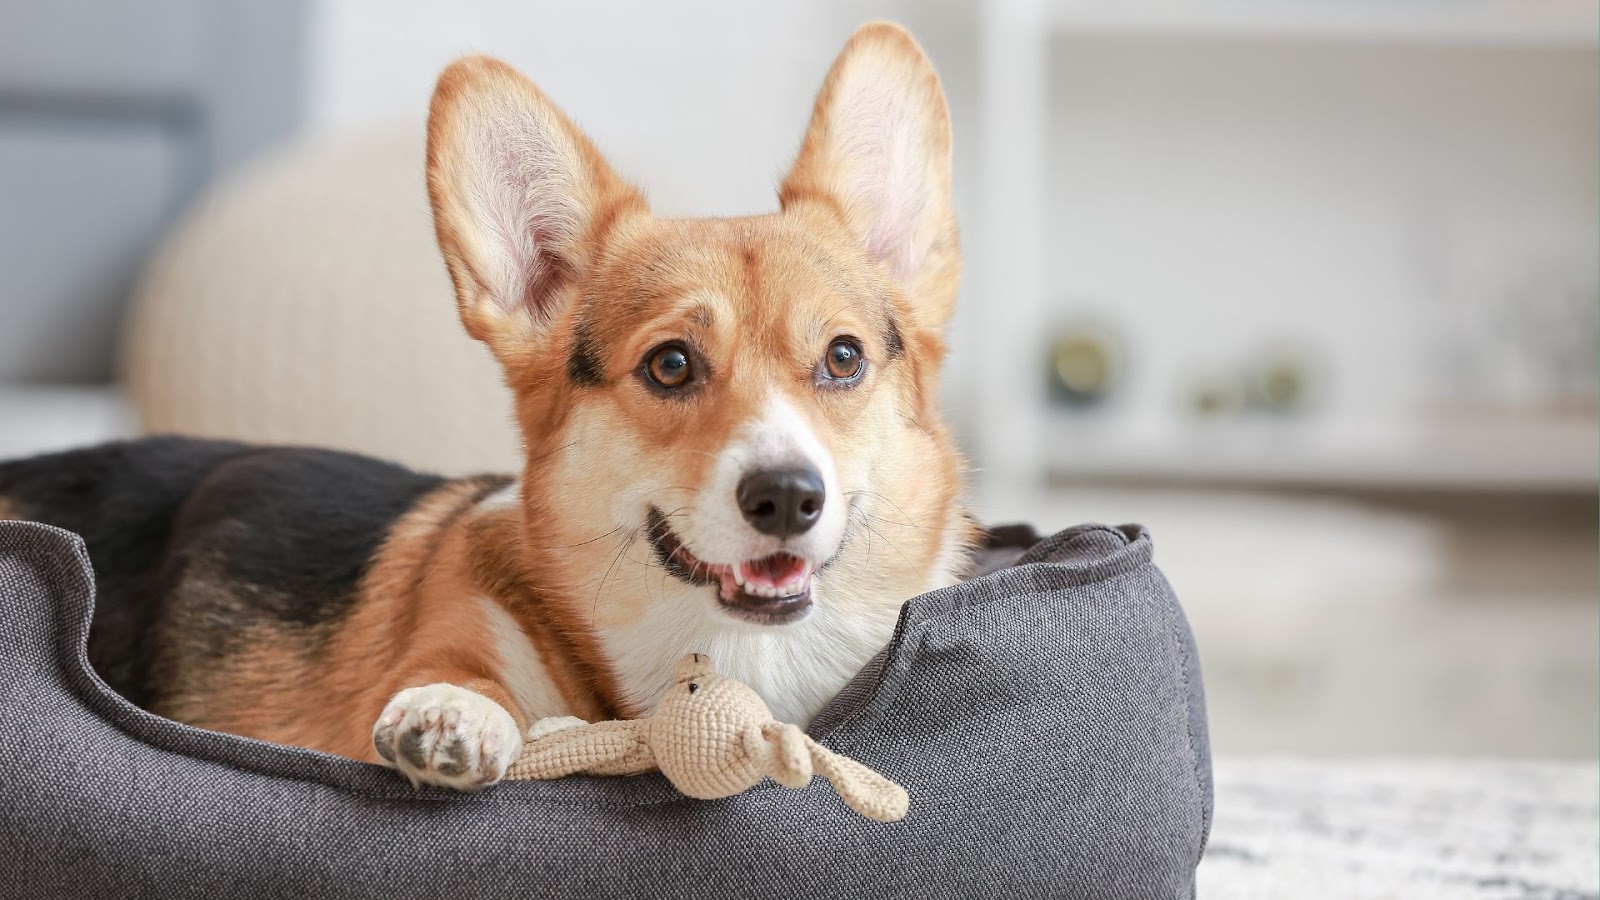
<point>712,737</point>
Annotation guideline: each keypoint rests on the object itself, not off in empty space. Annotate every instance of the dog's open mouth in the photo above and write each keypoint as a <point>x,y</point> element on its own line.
<point>771,590</point>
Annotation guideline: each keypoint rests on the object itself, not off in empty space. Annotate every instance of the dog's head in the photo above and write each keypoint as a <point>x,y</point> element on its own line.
<point>728,422</point>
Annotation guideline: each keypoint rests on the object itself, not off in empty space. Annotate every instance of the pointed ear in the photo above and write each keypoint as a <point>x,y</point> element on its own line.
<point>520,197</point>
<point>878,153</point>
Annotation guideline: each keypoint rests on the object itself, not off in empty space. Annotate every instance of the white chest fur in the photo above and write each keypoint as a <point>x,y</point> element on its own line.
<point>521,671</point>
<point>796,669</point>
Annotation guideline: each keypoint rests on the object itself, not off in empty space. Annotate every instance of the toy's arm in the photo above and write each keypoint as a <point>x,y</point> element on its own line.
<point>864,790</point>
<point>604,748</point>
<point>788,757</point>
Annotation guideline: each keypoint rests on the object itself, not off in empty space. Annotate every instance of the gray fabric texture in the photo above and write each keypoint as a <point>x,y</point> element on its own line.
<point>1047,719</point>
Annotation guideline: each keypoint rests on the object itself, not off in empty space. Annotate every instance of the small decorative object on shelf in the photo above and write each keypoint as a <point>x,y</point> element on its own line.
<point>1085,365</point>
<point>1284,380</point>
<point>1217,393</point>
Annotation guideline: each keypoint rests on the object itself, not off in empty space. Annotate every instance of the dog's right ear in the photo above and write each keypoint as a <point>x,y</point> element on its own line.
<point>521,201</point>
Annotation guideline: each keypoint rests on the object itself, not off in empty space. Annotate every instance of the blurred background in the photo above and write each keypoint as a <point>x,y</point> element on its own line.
<point>1309,287</point>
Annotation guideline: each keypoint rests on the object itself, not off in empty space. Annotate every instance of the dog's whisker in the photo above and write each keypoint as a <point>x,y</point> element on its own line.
<point>829,320</point>
<point>581,543</point>
<point>616,557</point>
<point>914,421</point>
<point>881,537</point>
<point>942,529</point>
<point>549,453</point>
<point>888,500</point>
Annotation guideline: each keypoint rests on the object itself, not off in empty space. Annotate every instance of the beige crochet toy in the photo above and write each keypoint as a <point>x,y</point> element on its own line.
<point>712,737</point>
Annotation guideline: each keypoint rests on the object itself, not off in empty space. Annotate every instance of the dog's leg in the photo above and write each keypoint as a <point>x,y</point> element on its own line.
<point>456,732</point>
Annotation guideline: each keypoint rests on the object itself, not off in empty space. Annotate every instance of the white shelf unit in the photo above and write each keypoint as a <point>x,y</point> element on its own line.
<point>1534,456</point>
<point>1527,23</point>
<point>1022,440</point>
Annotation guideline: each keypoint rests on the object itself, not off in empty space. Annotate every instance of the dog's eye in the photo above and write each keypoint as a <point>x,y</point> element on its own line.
<point>668,366</point>
<point>843,362</point>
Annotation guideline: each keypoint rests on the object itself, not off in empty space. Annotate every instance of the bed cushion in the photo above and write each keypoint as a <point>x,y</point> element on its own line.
<point>1047,719</point>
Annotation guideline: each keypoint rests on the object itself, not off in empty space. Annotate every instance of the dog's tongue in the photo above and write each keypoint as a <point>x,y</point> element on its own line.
<point>778,575</point>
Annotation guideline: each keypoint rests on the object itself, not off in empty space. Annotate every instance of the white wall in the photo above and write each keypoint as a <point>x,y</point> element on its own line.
<point>702,103</point>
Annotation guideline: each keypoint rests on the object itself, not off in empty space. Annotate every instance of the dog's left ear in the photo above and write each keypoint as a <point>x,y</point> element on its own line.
<point>878,152</point>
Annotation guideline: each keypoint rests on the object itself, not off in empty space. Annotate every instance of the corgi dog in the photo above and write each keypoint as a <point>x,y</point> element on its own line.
<point>733,446</point>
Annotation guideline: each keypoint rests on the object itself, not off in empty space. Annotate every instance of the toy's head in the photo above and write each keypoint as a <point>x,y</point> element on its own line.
<point>707,731</point>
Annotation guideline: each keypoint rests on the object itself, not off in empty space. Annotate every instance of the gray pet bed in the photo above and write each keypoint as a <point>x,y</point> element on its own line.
<point>1047,720</point>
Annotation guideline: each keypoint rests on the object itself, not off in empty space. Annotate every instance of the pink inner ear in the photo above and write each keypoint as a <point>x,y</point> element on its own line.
<point>525,199</point>
<point>892,239</point>
<point>880,146</point>
<point>545,270</point>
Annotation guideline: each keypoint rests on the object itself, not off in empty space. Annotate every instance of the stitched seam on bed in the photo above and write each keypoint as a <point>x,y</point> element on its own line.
<point>881,698</point>
<point>915,615</point>
<point>1188,719</point>
<point>1070,576</point>
<point>884,692</point>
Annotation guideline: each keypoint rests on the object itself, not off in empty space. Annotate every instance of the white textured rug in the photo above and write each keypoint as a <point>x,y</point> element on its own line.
<point>1413,829</point>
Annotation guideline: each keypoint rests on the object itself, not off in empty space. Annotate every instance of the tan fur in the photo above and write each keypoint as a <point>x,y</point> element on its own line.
<point>759,297</point>
<point>408,627</point>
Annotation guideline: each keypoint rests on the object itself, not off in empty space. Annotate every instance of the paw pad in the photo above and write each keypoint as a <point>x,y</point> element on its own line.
<point>447,735</point>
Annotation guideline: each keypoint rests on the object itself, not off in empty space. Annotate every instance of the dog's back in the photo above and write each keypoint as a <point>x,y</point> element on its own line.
<point>298,526</point>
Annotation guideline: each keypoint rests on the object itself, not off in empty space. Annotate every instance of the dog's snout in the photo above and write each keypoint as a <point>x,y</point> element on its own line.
<point>781,502</point>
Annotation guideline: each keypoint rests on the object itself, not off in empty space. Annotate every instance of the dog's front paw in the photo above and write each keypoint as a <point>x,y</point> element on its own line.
<point>447,735</point>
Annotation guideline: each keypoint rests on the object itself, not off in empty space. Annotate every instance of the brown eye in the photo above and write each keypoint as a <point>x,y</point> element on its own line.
<point>843,362</point>
<point>668,366</point>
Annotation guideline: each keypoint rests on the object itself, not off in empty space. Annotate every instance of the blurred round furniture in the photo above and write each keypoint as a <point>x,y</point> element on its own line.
<point>305,302</point>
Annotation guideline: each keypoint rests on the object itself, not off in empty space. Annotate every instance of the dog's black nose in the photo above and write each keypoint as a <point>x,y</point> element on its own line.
<point>781,502</point>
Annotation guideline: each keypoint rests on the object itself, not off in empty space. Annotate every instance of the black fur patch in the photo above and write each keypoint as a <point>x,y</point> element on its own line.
<point>893,340</point>
<point>120,498</point>
<point>584,366</point>
<point>286,533</point>
<point>299,525</point>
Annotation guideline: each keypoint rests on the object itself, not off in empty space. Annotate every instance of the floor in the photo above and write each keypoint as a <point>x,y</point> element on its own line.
<point>1403,829</point>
